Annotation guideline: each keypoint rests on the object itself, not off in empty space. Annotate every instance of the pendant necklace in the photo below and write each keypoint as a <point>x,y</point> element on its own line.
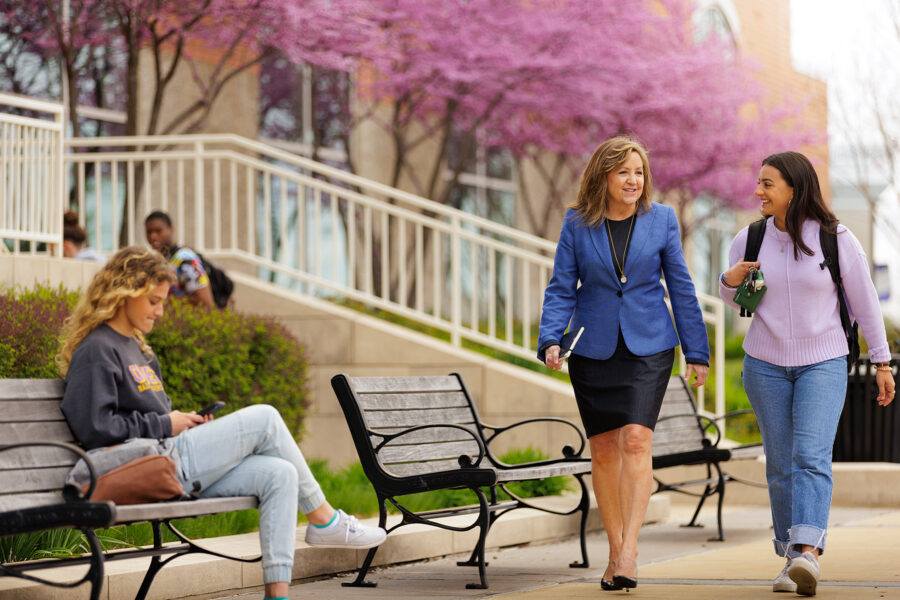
<point>622,277</point>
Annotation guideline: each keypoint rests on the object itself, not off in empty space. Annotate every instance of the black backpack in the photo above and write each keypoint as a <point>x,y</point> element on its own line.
<point>220,284</point>
<point>828,240</point>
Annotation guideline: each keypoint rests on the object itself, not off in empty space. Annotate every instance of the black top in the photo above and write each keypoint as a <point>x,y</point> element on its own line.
<point>618,241</point>
<point>114,391</point>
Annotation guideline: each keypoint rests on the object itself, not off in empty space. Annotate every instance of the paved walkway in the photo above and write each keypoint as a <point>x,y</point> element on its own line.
<point>862,561</point>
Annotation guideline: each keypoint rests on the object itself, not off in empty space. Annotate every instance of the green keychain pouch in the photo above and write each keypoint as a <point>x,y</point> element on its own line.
<point>750,292</point>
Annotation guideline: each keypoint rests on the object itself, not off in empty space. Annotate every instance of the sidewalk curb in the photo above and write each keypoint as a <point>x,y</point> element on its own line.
<point>203,575</point>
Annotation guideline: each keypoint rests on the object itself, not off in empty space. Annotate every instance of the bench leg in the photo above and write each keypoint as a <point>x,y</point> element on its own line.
<point>707,492</point>
<point>720,489</point>
<point>584,507</point>
<point>95,574</point>
<point>484,524</point>
<point>360,580</point>
<point>155,563</point>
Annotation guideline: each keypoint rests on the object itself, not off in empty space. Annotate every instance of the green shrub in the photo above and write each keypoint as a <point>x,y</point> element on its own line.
<point>237,358</point>
<point>29,330</point>
<point>205,355</point>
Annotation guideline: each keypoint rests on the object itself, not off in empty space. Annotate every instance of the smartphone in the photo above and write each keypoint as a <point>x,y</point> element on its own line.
<point>211,409</point>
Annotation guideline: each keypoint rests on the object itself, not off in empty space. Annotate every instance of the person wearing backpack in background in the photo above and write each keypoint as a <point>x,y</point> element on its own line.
<point>197,279</point>
<point>795,364</point>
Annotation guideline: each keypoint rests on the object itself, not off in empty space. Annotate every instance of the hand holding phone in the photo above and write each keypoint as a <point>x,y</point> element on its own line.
<point>211,409</point>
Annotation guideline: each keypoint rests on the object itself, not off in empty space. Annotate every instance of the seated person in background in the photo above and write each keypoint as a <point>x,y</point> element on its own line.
<point>75,240</point>
<point>114,391</point>
<point>192,281</point>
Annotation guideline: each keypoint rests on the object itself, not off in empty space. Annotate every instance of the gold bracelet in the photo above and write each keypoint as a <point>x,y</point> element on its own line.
<point>884,368</point>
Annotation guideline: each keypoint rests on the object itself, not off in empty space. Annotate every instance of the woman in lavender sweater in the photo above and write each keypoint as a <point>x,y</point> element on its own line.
<point>795,368</point>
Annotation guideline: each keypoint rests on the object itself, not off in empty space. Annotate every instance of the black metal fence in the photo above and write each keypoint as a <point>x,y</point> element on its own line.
<point>867,432</point>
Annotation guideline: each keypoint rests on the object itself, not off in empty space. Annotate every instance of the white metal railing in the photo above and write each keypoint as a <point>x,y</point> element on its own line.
<point>31,198</point>
<point>327,232</point>
<point>320,228</point>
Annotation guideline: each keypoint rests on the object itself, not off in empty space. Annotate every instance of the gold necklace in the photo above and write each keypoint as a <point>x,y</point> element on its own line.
<point>622,277</point>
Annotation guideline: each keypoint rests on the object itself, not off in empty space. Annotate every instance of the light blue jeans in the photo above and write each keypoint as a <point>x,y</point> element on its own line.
<point>251,453</point>
<point>798,409</point>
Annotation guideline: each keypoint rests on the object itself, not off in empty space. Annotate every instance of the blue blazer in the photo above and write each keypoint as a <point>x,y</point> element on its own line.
<point>603,304</point>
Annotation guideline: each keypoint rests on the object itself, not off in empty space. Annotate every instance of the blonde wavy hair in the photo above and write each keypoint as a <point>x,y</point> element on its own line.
<point>592,202</point>
<point>133,272</point>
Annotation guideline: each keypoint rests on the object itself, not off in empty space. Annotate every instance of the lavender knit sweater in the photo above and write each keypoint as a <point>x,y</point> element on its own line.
<point>798,321</point>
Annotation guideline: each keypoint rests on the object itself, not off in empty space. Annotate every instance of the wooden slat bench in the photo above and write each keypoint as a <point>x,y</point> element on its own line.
<point>419,434</point>
<point>682,437</point>
<point>37,450</point>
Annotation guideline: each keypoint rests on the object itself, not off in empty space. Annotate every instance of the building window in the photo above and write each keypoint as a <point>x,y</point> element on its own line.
<point>305,109</point>
<point>718,18</point>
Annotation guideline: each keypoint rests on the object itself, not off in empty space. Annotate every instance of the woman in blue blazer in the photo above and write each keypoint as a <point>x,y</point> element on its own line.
<point>616,243</point>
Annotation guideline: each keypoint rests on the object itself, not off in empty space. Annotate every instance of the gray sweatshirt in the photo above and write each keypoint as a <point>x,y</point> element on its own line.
<point>114,391</point>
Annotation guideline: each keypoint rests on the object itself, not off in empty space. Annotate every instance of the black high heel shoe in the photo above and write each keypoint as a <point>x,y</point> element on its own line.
<point>624,582</point>
<point>609,586</point>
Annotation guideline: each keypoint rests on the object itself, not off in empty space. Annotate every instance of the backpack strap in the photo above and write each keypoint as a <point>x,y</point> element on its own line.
<point>828,240</point>
<point>755,234</point>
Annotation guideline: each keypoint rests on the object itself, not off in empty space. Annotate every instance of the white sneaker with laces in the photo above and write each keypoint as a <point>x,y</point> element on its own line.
<point>804,571</point>
<point>348,532</point>
<point>783,583</point>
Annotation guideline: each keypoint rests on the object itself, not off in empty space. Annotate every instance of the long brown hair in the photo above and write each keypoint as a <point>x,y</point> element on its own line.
<point>807,203</point>
<point>592,202</point>
<point>131,273</point>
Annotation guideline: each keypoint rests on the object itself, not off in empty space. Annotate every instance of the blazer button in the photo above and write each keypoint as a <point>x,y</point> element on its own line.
<point>619,293</point>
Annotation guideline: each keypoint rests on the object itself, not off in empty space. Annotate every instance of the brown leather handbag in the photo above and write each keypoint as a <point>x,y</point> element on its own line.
<point>136,471</point>
<point>146,479</point>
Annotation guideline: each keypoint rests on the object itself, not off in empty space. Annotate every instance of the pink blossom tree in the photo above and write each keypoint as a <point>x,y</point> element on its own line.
<point>215,39</point>
<point>690,103</point>
<point>545,79</point>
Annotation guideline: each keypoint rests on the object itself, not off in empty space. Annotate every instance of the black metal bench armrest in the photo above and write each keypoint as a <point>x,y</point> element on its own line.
<point>710,422</point>
<point>70,492</point>
<point>464,460</point>
<point>569,453</point>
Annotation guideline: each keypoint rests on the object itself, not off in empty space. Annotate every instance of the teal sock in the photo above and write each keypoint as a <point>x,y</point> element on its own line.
<point>328,524</point>
<point>278,598</point>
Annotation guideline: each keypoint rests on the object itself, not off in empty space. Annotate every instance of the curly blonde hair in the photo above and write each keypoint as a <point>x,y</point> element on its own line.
<point>133,272</point>
<point>592,202</point>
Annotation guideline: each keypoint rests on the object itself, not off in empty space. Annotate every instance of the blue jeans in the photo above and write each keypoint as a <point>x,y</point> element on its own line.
<point>798,409</point>
<point>251,453</point>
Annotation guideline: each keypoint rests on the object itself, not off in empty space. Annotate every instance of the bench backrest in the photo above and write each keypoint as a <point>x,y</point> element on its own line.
<point>677,434</point>
<point>388,405</point>
<point>29,412</point>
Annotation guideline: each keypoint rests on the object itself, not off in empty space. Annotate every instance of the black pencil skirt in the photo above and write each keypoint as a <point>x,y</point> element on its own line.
<point>621,390</point>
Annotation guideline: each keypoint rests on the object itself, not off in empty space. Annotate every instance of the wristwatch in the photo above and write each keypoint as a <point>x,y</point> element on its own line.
<point>883,366</point>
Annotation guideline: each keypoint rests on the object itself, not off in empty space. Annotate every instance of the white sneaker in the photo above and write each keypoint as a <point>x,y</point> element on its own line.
<point>783,583</point>
<point>348,532</point>
<point>804,571</point>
